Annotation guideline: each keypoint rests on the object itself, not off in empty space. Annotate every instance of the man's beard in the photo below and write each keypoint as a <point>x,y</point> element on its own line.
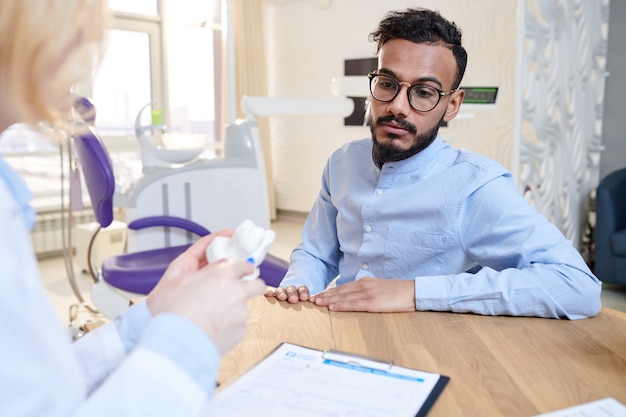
<point>383,152</point>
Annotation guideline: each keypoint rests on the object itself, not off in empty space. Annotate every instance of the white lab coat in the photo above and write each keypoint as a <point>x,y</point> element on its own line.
<point>138,366</point>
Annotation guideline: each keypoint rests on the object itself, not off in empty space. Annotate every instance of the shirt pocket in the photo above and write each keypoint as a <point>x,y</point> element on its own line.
<point>410,253</point>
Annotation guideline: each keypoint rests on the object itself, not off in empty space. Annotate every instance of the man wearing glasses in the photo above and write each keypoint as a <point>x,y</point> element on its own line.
<point>408,223</point>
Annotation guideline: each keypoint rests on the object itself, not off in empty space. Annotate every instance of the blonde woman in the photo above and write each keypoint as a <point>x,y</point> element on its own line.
<point>161,357</point>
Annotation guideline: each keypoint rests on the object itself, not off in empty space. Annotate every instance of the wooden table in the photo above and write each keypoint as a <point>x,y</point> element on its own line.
<point>499,366</point>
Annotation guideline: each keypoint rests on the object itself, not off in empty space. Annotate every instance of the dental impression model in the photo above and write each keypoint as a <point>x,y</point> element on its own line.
<point>249,243</point>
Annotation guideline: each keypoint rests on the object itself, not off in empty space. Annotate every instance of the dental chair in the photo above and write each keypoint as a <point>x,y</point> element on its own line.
<point>216,192</point>
<point>129,275</point>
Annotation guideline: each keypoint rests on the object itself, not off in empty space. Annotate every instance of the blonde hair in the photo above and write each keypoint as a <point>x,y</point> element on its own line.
<point>47,46</point>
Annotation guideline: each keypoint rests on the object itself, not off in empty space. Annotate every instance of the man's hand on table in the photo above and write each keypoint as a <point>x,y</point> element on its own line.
<point>366,294</point>
<point>291,294</point>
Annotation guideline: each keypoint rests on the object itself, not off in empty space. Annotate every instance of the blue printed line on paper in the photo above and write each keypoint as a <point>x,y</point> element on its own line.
<point>365,369</point>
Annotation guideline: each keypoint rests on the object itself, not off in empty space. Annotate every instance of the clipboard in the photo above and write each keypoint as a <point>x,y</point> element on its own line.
<point>294,380</point>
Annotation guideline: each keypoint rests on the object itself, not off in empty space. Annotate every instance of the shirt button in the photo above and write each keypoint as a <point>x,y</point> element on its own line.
<point>368,228</point>
<point>379,191</point>
<point>365,267</point>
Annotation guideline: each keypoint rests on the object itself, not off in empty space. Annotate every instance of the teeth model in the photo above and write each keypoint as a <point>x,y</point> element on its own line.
<point>249,243</point>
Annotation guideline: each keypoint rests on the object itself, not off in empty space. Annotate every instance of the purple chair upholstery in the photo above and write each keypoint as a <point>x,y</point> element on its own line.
<point>139,272</point>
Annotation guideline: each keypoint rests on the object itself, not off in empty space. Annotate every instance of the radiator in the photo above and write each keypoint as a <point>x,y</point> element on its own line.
<point>47,234</point>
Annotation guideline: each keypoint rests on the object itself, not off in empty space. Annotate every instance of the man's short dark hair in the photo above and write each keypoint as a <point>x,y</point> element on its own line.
<point>423,26</point>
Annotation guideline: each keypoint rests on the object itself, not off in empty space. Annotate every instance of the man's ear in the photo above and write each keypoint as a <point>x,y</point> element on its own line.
<point>454,105</point>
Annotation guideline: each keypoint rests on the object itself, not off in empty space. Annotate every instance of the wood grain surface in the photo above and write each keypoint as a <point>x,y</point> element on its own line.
<point>499,366</point>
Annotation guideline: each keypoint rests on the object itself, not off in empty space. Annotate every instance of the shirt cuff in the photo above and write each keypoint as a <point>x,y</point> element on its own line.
<point>182,342</point>
<point>132,323</point>
<point>432,293</point>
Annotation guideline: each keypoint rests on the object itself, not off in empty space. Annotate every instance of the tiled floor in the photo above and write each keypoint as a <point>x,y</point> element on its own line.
<point>288,228</point>
<point>614,296</point>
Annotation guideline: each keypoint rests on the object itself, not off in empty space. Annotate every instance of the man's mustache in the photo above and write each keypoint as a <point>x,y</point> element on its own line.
<point>409,127</point>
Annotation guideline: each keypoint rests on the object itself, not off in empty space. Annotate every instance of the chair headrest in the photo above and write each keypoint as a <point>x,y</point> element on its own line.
<point>97,171</point>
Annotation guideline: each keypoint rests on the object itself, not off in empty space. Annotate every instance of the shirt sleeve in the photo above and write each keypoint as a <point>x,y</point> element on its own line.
<point>104,349</point>
<point>171,368</point>
<point>315,262</point>
<point>526,266</point>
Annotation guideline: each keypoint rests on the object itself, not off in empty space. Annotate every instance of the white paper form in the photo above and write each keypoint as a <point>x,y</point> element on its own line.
<point>298,381</point>
<point>607,407</point>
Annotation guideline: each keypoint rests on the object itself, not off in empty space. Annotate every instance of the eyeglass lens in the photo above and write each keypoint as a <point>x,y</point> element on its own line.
<point>421,97</point>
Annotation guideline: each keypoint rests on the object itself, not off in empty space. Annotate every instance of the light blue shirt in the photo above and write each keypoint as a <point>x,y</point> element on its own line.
<point>138,365</point>
<point>450,220</point>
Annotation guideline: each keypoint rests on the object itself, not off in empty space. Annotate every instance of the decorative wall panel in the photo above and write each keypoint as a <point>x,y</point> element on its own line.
<point>563,64</point>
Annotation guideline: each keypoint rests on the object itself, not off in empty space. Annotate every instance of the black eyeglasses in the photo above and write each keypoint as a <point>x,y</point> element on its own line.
<point>422,97</point>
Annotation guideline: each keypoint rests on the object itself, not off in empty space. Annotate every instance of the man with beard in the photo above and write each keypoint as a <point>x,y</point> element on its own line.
<point>406,222</point>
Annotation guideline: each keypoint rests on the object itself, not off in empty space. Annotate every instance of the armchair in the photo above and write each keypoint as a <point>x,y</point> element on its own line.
<point>610,230</point>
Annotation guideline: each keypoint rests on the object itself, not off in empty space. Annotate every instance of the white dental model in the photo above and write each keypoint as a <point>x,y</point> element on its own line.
<point>249,243</point>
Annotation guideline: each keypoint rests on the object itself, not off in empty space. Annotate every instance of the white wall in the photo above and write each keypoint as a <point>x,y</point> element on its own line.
<point>307,42</point>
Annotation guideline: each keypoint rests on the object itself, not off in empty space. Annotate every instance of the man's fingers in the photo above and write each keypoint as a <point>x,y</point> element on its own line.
<point>292,294</point>
<point>303,293</point>
<point>335,295</point>
<point>280,294</point>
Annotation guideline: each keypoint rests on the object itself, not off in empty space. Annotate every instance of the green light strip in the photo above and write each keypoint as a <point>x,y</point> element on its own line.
<point>481,89</point>
<point>476,101</point>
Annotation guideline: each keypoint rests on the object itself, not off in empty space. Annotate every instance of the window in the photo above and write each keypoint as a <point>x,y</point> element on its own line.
<point>191,81</point>
<point>160,54</point>
<point>122,84</point>
<point>142,7</point>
